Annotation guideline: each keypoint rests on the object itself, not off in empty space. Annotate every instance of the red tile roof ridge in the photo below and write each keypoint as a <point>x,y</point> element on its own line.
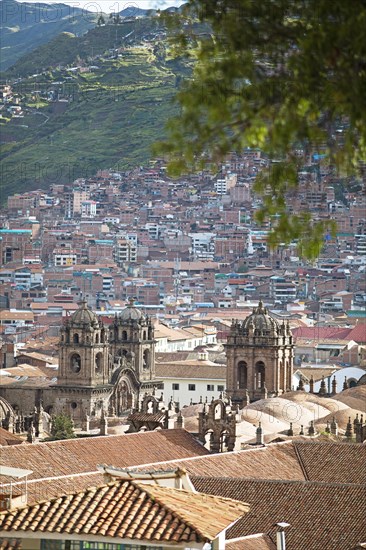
<point>109,437</point>
<point>52,478</point>
<point>173,509</point>
<point>194,477</point>
<point>213,455</point>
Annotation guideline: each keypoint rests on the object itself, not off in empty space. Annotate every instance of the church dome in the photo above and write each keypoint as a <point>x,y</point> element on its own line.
<point>131,313</point>
<point>261,320</point>
<point>84,316</point>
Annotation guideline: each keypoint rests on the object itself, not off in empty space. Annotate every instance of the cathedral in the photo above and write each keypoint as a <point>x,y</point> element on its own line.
<point>109,370</point>
<point>104,370</point>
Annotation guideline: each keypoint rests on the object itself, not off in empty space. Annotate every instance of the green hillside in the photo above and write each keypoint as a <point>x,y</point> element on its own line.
<point>24,26</point>
<point>64,48</point>
<point>74,123</point>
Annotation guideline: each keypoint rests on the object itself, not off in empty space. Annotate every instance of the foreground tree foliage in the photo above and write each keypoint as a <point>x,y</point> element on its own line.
<point>62,428</point>
<point>274,75</point>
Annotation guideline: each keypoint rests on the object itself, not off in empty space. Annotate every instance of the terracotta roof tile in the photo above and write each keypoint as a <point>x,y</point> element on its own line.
<point>258,541</point>
<point>72,456</point>
<point>322,516</point>
<point>330,462</point>
<point>191,369</point>
<point>128,510</point>
<point>290,460</point>
<point>278,461</point>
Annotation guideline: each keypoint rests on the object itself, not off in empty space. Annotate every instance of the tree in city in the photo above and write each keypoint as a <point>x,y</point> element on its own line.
<point>62,428</point>
<point>283,76</point>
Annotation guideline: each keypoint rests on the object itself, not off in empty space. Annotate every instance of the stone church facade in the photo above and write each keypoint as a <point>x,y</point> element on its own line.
<point>260,353</point>
<point>104,370</point>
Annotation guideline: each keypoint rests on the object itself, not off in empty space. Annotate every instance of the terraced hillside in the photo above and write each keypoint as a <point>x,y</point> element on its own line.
<point>105,113</point>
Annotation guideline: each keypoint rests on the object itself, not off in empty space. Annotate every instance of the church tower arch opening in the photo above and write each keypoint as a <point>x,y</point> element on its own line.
<point>242,375</point>
<point>260,375</point>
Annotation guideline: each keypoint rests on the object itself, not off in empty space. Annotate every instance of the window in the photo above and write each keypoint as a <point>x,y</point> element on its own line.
<point>191,387</point>
<point>175,387</point>
<point>210,387</point>
<point>220,388</point>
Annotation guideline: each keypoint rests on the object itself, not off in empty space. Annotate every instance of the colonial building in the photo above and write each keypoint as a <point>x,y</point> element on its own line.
<point>104,369</point>
<point>259,354</point>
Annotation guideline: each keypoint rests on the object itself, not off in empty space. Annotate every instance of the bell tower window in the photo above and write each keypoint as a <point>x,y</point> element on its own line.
<point>98,362</point>
<point>76,338</point>
<point>242,375</point>
<point>260,374</point>
<point>75,362</point>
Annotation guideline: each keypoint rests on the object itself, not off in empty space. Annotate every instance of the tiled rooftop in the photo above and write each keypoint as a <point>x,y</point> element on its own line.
<point>292,460</point>
<point>82,455</point>
<point>258,541</point>
<point>322,516</point>
<point>277,461</point>
<point>128,510</point>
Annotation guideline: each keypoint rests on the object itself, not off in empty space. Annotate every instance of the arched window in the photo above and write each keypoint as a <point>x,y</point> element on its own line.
<point>146,359</point>
<point>102,336</point>
<point>97,338</point>
<point>124,335</point>
<point>260,375</point>
<point>218,411</point>
<point>75,362</point>
<point>76,338</point>
<point>98,362</point>
<point>242,375</point>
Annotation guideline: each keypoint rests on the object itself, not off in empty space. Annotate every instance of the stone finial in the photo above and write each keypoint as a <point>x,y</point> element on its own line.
<point>31,434</point>
<point>301,430</point>
<point>349,431</point>
<point>103,423</point>
<point>311,384</point>
<point>180,421</point>
<point>246,400</point>
<point>323,388</point>
<point>259,435</point>
<point>334,386</point>
<point>334,426</point>
<point>200,400</point>
<point>356,422</point>
<point>345,384</point>
<point>290,431</point>
<point>311,430</point>
<point>86,423</point>
<point>327,428</point>
<point>300,387</point>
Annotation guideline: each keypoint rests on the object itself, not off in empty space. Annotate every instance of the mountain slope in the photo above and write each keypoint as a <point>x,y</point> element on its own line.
<point>25,26</point>
<point>107,113</point>
<point>65,47</point>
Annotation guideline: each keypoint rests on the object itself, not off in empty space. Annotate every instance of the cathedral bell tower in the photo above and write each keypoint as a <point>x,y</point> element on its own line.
<point>132,347</point>
<point>259,355</point>
<point>83,380</point>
